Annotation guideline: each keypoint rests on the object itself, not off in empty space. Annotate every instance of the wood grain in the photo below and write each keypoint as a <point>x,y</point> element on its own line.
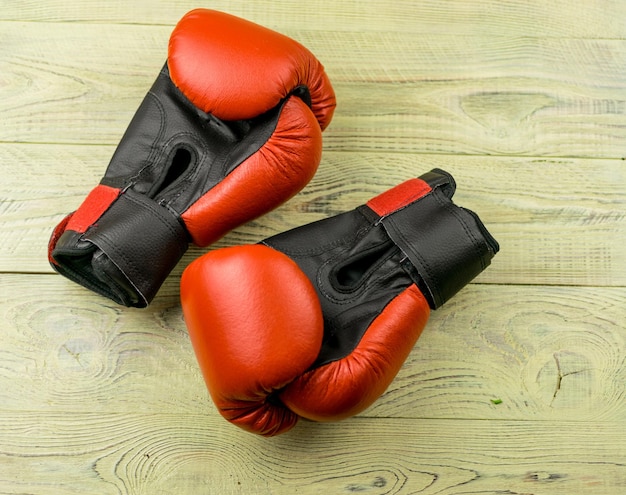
<point>516,386</point>
<point>397,91</point>
<point>533,18</point>
<point>564,226</point>
<point>160,453</point>
<point>549,353</point>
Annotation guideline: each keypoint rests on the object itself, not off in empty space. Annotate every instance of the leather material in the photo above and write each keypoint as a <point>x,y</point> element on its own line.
<point>356,269</point>
<point>264,180</point>
<point>205,152</point>
<point>249,345</point>
<point>430,233</point>
<point>348,386</point>
<point>236,70</point>
<point>373,299</point>
<point>114,254</point>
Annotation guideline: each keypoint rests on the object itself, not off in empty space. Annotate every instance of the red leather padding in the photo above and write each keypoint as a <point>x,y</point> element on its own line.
<point>399,196</point>
<point>235,69</point>
<point>346,387</point>
<point>255,323</point>
<point>268,178</point>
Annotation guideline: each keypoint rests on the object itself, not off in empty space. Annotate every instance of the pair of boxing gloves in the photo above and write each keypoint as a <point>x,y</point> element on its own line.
<point>314,322</point>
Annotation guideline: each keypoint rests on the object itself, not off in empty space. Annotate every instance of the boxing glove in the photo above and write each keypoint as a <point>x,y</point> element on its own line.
<point>230,129</point>
<point>316,322</point>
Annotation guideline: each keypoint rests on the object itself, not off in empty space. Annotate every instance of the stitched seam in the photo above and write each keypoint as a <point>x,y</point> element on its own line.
<point>153,152</point>
<point>425,266</point>
<point>362,287</point>
<point>343,240</point>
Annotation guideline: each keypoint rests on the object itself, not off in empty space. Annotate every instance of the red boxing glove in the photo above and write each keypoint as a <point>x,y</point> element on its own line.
<point>317,321</point>
<point>230,130</point>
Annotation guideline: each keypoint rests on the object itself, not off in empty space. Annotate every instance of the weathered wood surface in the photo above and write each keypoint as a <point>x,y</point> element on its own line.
<point>602,19</point>
<point>549,353</point>
<point>523,102</point>
<point>400,91</point>
<point>560,221</point>
<point>162,454</point>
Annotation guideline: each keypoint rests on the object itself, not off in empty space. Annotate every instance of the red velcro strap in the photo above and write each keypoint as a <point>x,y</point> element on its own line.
<point>95,204</point>
<point>399,196</point>
<point>56,233</point>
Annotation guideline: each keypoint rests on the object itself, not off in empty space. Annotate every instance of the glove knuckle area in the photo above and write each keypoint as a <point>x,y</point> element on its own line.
<point>261,418</point>
<point>237,69</point>
<point>255,323</point>
<point>290,157</point>
<point>348,386</point>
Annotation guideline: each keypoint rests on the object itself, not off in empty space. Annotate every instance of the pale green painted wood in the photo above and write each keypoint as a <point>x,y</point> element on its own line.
<point>524,102</point>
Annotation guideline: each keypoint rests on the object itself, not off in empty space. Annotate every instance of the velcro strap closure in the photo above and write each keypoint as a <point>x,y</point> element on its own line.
<point>127,254</point>
<point>447,245</point>
<point>142,239</point>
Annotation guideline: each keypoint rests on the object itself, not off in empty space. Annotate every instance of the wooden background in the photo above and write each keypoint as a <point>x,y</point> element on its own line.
<point>524,102</point>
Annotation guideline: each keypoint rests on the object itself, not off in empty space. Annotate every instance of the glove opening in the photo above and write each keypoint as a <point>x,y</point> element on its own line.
<point>352,272</point>
<point>180,163</point>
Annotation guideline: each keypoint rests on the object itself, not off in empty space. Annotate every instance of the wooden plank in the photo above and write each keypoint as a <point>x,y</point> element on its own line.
<point>397,91</point>
<point>559,18</point>
<point>559,221</point>
<point>188,453</point>
<point>516,385</point>
<point>549,353</point>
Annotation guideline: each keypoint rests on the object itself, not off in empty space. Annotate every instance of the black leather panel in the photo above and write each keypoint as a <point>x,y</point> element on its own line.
<point>355,269</point>
<point>148,159</point>
<point>117,256</point>
<point>445,243</point>
<point>359,262</point>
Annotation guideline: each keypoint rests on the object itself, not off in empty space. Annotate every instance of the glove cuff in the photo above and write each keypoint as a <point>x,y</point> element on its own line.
<point>446,246</point>
<point>127,254</point>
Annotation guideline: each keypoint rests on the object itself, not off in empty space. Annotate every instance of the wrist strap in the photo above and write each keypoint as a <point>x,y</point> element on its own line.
<point>128,253</point>
<point>447,245</point>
